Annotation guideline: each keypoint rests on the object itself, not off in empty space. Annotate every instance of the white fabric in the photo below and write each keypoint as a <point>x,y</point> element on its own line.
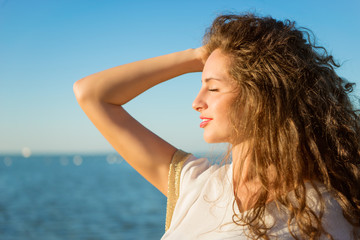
<point>204,209</point>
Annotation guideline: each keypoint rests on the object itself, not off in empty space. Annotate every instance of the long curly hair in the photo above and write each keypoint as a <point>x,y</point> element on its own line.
<point>297,113</point>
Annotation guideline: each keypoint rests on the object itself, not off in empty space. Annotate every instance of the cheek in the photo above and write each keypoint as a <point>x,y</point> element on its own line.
<point>223,116</point>
<point>228,114</point>
<point>224,107</point>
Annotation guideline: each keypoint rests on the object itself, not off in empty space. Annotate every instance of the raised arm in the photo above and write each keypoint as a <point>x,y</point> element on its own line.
<point>101,96</point>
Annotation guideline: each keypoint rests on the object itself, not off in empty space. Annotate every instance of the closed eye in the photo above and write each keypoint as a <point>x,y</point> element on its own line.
<point>213,90</point>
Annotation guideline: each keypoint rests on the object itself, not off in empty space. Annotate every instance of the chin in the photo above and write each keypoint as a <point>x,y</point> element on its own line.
<point>213,139</point>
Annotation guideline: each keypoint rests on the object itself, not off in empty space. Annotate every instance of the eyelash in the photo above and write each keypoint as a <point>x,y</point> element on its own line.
<point>213,90</point>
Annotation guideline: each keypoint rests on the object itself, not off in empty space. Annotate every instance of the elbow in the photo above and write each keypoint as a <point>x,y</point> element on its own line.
<point>81,91</point>
<point>77,89</point>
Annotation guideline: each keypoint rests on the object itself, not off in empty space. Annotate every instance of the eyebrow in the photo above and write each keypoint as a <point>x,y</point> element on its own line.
<point>211,78</point>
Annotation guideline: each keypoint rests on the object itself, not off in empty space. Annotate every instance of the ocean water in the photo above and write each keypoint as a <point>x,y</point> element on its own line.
<point>77,198</point>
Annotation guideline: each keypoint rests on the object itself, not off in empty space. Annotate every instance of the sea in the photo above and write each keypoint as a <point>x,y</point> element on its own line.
<point>77,197</point>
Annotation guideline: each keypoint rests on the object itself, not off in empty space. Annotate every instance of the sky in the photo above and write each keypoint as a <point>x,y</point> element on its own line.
<point>47,45</point>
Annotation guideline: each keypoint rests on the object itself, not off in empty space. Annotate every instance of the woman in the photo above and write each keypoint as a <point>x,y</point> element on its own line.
<point>294,136</point>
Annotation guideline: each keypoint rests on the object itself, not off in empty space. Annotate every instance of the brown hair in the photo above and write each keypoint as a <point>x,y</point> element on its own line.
<point>298,115</point>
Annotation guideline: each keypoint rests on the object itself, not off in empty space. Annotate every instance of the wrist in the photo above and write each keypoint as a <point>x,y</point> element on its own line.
<point>196,62</point>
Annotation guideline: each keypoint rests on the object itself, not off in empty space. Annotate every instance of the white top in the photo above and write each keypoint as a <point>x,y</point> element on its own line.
<point>204,208</point>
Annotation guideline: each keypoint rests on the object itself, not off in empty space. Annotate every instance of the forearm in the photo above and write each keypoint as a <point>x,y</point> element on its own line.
<point>120,84</point>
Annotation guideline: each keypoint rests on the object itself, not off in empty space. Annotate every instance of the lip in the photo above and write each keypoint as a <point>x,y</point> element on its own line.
<point>205,121</point>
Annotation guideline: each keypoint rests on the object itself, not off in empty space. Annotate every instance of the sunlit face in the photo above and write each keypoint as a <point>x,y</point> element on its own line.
<point>215,97</point>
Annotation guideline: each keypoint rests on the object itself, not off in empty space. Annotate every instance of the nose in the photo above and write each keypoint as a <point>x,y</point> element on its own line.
<point>199,103</point>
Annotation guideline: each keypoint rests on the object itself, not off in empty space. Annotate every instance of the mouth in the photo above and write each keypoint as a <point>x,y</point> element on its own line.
<point>205,121</point>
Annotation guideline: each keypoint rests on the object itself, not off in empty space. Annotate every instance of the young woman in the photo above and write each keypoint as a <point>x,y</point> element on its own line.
<point>268,91</point>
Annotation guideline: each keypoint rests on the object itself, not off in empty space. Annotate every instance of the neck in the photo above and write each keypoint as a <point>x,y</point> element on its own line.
<point>246,186</point>
<point>241,161</point>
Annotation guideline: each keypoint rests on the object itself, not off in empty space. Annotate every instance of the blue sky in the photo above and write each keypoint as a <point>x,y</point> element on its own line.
<point>45,46</point>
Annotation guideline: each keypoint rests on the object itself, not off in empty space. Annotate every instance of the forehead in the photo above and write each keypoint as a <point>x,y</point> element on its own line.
<point>216,66</point>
